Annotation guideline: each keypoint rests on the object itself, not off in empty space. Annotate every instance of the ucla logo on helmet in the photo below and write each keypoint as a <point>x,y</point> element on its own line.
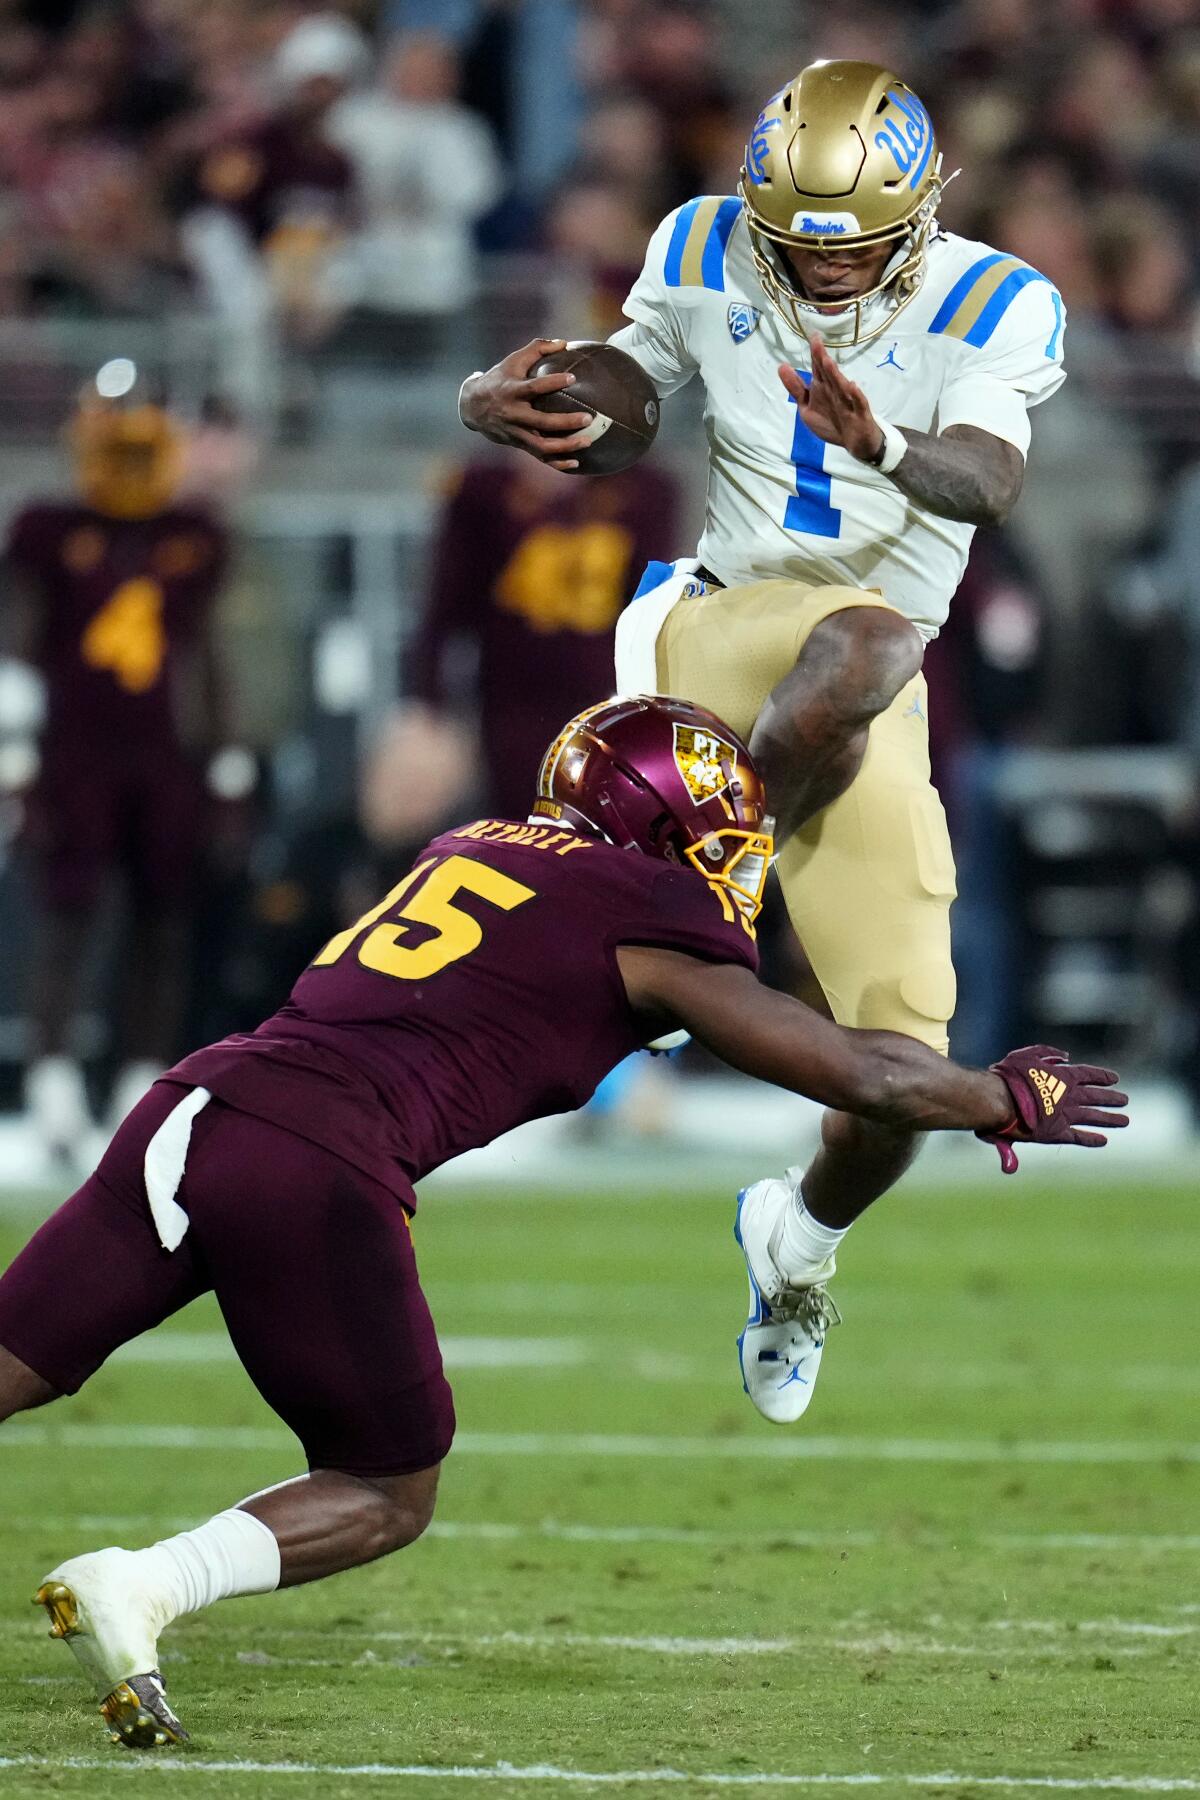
<point>742,319</point>
<point>759,148</point>
<point>705,761</point>
<point>911,142</point>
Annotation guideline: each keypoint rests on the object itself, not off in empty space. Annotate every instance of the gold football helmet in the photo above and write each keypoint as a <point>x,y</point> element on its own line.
<point>127,448</point>
<point>846,155</point>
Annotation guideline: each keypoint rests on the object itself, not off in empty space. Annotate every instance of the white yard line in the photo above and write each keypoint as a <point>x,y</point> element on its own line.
<point>1046,1637</point>
<point>605,1350</point>
<point>519,1445</point>
<point>203,1349</point>
<point>766,1538</point>
<point>549,1773</point>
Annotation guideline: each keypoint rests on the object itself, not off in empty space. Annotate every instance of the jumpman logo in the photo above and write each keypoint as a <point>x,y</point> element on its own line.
<point>795,1376</point>
<point>914,711</point>
<point>890,358</point>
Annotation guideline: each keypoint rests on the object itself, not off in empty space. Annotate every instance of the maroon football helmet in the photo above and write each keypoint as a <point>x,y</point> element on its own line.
<point>668,778</point>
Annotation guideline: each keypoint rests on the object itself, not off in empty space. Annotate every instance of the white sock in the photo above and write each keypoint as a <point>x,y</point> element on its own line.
<point>805,1247</point>
<point>234,1553</point>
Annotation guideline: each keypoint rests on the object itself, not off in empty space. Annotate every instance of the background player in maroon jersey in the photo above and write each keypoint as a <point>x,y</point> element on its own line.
<point>497,982</point>
<point>530,571</point>
<point>111,596</point>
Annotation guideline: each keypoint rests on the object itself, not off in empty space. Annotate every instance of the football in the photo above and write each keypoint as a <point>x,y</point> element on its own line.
<point>617,392</point>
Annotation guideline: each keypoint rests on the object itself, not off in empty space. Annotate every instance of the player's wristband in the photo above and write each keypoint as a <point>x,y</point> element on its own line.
<point>891,450</point>
<point>462,418</point>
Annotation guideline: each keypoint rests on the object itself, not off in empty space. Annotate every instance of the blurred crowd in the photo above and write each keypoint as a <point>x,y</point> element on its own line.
<point>327,181</point>
<point>363,152</point>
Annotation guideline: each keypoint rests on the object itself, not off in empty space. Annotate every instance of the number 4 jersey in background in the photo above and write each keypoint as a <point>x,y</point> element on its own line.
<point>979,344</point>
<point>118,621</point>
<point>482,991</point>
<point>120,607</point>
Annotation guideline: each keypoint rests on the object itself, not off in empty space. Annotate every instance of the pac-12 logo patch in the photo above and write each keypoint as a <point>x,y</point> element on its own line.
<point>705,761</point>
<point>742,319</point>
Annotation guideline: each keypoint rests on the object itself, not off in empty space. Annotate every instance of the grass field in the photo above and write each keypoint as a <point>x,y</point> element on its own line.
<point>972,1569</point>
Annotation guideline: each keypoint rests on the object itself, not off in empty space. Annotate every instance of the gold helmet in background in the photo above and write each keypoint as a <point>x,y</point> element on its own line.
<point>128,449</point>
<point>846,155</point>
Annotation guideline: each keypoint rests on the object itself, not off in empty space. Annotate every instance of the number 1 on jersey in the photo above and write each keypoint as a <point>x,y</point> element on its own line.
<point>810,508</point>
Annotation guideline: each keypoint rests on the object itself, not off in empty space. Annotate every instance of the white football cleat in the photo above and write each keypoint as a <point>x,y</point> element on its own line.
<point>780,1347</point>
<point>111,1623</point>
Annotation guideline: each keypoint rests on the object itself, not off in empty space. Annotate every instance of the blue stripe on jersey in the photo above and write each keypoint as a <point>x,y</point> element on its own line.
<point>654,575</point>
<point>1059,321</point>
<point>999,304</point>
<point>673,268</point>
<point>962,288</point>
<point>712,262</point>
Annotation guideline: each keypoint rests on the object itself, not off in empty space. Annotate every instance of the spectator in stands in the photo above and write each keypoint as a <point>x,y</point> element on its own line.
<point>597,230</point>
<point>272,206</point>
<point>427,169</point>
<point>1147,298</point>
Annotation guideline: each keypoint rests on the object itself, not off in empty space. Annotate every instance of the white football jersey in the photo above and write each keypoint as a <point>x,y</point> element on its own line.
<point>979,345</point>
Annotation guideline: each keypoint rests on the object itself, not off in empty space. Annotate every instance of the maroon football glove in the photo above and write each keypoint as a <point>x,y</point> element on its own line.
<point>1055,1100</point>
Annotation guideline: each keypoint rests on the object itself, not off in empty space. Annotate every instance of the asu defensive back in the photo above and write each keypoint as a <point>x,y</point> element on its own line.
<point>500,979</point>
<point>868,379</point>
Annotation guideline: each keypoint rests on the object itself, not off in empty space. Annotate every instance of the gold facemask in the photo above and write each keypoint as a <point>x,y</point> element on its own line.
<point>736,861</point>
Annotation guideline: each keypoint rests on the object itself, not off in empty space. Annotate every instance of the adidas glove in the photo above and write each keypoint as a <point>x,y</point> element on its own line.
<point>1055,1100</point>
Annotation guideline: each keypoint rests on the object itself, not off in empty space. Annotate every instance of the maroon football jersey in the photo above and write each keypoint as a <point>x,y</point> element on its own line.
<point>279,177</point>
<point>123,601</point>
<point>481,992</point>
<point>534,568</point>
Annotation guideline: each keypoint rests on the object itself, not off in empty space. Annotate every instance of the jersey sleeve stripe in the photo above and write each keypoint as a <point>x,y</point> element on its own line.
<point>962,288</point>
<point>673,268</point>
<point>696,252</point>
<point>712,263</point>
<point>990,315</point>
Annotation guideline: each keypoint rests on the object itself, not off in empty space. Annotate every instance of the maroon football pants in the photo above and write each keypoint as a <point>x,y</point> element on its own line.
<point>311,1262</point>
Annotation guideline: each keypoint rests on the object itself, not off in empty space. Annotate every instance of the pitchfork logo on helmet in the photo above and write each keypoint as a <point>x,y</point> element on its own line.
<point>844,155</point>
<point>706,762</point>
<point>667,778</point>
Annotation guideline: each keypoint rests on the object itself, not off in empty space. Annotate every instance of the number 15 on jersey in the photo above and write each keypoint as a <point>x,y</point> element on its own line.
<point>810,509</point>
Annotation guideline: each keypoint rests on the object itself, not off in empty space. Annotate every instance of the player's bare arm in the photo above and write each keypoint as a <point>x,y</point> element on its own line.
<point>965,474</point>
<point>498,403</point>
<point>879,1075</point>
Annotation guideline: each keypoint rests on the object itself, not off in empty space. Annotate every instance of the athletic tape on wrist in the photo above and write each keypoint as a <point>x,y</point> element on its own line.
<point>895,446</point>
<point>462,418</point>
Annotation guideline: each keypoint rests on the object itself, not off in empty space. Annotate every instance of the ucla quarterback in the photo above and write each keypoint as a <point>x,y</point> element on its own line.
<point>868,380</point>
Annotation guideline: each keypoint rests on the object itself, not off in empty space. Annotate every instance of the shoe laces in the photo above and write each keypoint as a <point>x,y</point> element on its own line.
<point>813,1307</point>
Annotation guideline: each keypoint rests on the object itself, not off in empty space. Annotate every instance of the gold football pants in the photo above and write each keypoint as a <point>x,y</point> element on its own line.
<point>869,881</point>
